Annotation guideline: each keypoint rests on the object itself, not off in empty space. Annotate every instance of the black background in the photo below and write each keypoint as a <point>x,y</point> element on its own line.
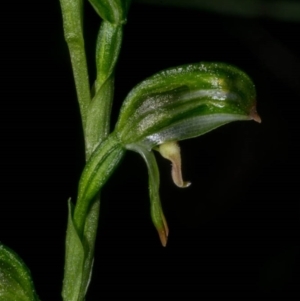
<point>234,233</point>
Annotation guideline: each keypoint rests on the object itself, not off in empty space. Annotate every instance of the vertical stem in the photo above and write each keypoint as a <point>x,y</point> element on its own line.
<point>95,114</point>
<point>73,31</point>
<point>79,67</point>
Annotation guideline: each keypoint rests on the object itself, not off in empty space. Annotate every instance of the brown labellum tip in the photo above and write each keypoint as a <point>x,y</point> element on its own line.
<point>254,115</point>
<point>163,237</point>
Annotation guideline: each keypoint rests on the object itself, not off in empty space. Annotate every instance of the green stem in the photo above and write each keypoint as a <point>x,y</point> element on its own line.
<point>102,153</point>
<point>81,77</point>
<point>73,31</point>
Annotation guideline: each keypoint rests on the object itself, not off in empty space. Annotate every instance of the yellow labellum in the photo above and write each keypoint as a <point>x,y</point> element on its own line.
<point>171,151</point>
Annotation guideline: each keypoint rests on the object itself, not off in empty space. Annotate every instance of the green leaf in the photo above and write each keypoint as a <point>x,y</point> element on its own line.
<point>99,110</point>
<point>113,11</point>
<point>89,237</point>
<point>185,102</point>
<point>82,222</point>
<point>107,50</point>
<point>15,278</point>
<point>98,116</point>
<point>80,254</point>
<point>97,170</point>
<point>74,260</point>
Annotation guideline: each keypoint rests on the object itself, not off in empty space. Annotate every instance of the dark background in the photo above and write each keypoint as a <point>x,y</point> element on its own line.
<point>234,233</point>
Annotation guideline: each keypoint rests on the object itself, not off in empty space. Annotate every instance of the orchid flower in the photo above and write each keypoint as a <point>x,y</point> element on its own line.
<point>175,104</point>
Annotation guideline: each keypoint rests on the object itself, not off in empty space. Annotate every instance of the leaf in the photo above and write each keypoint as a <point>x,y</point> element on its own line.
<point>108,47</point>
<point>97,170</point>
<point>15,278</point>
<point>74,260</point>
<point>185,102</point>
<point>89,237</point>
<point>113,11</point>
<point>79,254</point>
<point>98,112</point>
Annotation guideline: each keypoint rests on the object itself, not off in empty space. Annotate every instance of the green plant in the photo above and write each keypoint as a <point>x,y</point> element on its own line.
<point>172,105</point>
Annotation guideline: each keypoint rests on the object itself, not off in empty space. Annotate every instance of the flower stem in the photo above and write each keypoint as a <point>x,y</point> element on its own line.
<point>73,32</point>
